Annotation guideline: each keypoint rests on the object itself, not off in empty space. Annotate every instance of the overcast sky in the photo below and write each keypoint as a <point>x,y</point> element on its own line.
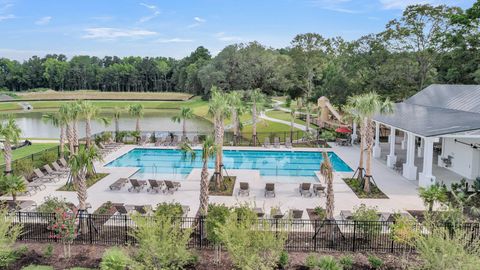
<point>176,27</point>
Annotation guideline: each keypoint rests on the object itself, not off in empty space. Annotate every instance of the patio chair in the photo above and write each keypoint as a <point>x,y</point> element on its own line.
<point>244,189</point>
<point>103,148</point>
<point>24,206</point>
<point>143,209</point>
<point>195,140</point>
<point>122,209</point>
<point>52,172</point>
<point>155,185</point>
<point>57,168</point>
<point>117,185</point>
<point>318,189</point>
<point>270,189</point>
<point>296,214</point>
<point>63,162</point>
<point>276,213</point>
<point>174,141</point>
<point>267,144</point>
<point>35,185</point>
<point>288,142</point>
<point>304,189</point>
<point>39,176</point>
<point>398,166</point>
<point>171,186</point>
<point>167,141</point>
<point>137,185</point>
<point>276,142</point>
<point>159,141</point>
<point>259,211</point>
<point>346,215</point>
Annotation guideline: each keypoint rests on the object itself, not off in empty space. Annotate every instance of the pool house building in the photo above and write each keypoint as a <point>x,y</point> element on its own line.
<point>433,136</point>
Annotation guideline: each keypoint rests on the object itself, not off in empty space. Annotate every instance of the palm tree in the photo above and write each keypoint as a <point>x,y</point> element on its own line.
<point>81,167</point>
<point>219,110</point>
<point>74,111</point>
<point>209,149</point>
<point>57,120</point>
<point>185,114</point>
<point>433,194</point>
<point>350,114</point>
<point>258,103</point>
<point>89,111</point>
<point>136,110</point>
<point>10,133</point>
<point>293,116</point>
<point>64,113</point>
<point>327,172</point>
<point>12,184</point>
<point>308,110</point>
<point>117,111</point>
<point>366,106</point>
<point>234,100</point>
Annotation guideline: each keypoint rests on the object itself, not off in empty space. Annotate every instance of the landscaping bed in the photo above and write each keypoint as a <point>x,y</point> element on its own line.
<point>355,185</point>
<point>227,190</point>
<point>90,182</point>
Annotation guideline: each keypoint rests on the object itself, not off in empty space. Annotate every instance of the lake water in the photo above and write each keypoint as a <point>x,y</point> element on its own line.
<point>33,126</point>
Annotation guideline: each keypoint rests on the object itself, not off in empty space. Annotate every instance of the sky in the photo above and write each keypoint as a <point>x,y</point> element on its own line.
<point>174,28</point>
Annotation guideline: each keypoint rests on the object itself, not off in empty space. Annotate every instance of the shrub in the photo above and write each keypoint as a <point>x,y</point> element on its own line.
<point>375,262</point>
<point>251,249</point>
<point>320,212</point>
<point>283,260</point>
<point>161,243</point>
<point>311,261</point>
<point>404,231</point>
<point>433,194</point>
<point>114,259</point>
<point>9,232</point>
<point>328,135</point>
<point>171,210</point>
<point>23,167</point>
<point>448,249</point>
<point>366,217</point>
<point>51,204</point>
<point>48,251</point>
<point>47,158</point>
<point>346,262</point>
<point>328,263</point>
<point>106,136</point>
<point>64,229</point>
<point>217,216</point>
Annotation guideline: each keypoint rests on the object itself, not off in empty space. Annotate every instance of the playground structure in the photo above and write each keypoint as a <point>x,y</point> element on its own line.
<point>326,110</point>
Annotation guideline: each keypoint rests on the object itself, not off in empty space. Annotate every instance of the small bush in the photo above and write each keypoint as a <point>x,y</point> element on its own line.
<point>328,263</point>
<point>114,259</point>
<point>48,251</point>
<point>375,262</point>
<point>320,212</point>
<point>8,235</point>
<point>47,158</point>
<point>328,135</point>
<point>171,210</point>
<point>283,260</point>
<point>346,262</point>
<point>51,204</point>
<point>23,167</point>
<point>217,216</point>
<point>366,216</point>
<point>311,261</point>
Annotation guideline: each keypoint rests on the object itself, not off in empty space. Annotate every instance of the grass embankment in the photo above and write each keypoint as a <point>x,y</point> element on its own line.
<point>28,150</point>
<point>98,95</point>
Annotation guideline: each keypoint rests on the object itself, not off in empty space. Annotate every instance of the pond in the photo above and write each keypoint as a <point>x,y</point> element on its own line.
<point>33,126</point>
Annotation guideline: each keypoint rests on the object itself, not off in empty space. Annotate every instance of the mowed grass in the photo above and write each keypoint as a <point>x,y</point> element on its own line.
<point>92,95</point>
<point>28,150</point>
<point>285,116</point>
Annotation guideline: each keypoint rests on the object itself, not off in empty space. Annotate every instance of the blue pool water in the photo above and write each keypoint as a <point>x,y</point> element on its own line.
<point>282,164</point>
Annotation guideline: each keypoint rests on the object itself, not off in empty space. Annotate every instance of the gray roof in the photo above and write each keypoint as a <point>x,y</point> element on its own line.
<point>438,110</point>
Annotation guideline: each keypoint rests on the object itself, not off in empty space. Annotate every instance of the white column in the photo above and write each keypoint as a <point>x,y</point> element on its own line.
<point>377,151</point>
<point>409,169</point>
<point>391,157</point>
<point>404,141</point>
<point>421,147</point>
<point>426,177</point>
<point>354,132</point>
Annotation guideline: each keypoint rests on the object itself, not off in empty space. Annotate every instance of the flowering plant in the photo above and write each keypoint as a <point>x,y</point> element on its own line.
<point>63,228</point>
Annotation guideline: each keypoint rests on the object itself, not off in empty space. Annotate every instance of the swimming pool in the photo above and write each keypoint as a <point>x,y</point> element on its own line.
<point>283,166</point>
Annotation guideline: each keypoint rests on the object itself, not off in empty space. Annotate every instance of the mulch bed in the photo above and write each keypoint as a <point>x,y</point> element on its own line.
<point>90,182</point>
<point>227,190</point>
<point>375,192</point>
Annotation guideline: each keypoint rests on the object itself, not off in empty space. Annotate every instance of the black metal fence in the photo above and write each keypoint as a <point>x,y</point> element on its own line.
<point>37,159</point>
<point>302,235</point>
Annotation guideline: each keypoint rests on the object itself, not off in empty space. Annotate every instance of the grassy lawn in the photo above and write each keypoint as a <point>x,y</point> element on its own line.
<point>28,150</point>
<point>92,94</point>
<point>284,116</point>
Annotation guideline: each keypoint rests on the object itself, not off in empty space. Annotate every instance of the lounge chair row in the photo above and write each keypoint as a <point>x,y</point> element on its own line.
<point>294,214</point>
<point>304,189</point>
<point>125,209</point>
<point>165,186</point>
<point>106,149</point>
<point>54,172</point>
<point>276,142</point>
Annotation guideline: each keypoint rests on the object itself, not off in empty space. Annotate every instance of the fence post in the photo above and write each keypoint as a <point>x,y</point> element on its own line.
<point>354,234</point>
<point>126,230</point>
<point>200,235</point>
<point>90,228</point>
<point>315,226</point>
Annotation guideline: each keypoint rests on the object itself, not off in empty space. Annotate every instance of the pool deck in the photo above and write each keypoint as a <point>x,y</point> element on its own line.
<point>403,194</point>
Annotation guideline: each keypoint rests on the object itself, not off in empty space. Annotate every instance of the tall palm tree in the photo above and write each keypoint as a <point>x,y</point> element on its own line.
<point>137,111</point>
<point>185,114</point>
<point>64,113</point>
<point>81,166</point>
<point>90,111</point>
<point>12,184</point>
<point>209,149</point>
<point>327,171</point>
<point>350,114</point>
<point>308,110</point>
<point>257,98</point>
<point>293,116</point>
<point>10,133</point>
<point>235,102</point>
<point>219,110</point>
<point>366,106</point>
<point>74,110</point>
<point>117,112</point>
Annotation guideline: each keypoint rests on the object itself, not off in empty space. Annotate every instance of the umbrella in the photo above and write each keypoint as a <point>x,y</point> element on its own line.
<point>343,130</point>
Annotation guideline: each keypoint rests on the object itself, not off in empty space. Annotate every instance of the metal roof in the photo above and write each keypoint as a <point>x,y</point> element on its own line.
<point>438,110</point>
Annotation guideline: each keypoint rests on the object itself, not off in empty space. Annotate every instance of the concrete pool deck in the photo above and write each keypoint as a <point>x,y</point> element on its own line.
<point>403,194</point>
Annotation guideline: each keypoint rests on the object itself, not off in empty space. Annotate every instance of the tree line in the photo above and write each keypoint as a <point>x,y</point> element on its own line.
<point>427,44</point>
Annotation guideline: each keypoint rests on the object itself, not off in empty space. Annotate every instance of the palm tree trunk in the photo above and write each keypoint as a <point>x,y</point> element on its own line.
<point>62,141</point>
<point>235,125</point>
<point>81,187</point>
<point>254,124</point>
<point>369,144</point>
<point>308,121</point>
<point>330,204</point>
<point>88,132</point>
<point>204,189</point>
<point>14,198</point>
<point>184,128</point>
<point>117,127</point>
<point>219,154</point>
<point>75,135</point>
<point>7,154</point>
<point>137,126</point>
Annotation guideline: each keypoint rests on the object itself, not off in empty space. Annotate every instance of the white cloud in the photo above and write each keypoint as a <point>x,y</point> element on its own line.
<point>174,40</point>
<point>44,20</point>
<point>200,20</point>
<point>155,13</point>
<point>7,17</point>
<point>224,37</point>
<point>113,33</point>
<point>335,5</point>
